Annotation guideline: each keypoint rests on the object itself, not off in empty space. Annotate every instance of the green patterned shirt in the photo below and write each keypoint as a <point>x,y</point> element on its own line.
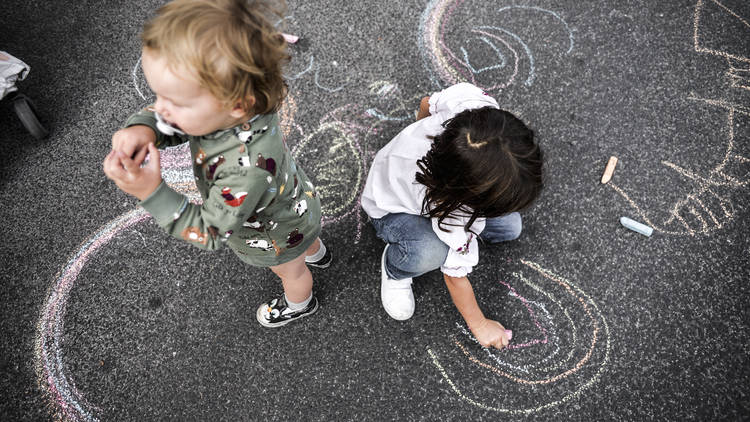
<point>255,198</point>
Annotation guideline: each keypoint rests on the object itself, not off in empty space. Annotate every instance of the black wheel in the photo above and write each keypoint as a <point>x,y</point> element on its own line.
<point>27,113</point>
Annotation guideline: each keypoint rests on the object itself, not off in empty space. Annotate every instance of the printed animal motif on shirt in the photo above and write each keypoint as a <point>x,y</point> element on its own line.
<point>283,186</point>
<point>213,165</point>
<point>259,244</point>
<point>193,234</point>
<point>257,225</point>
<point>300,207</point>
<point>311,193</point>
<point>254,224</point>
<point>294,238</point>
<point>296,187</point>
<point>277,248</point>
<point>234,200</point>
<point>246,133</point>
<point>200,157</point>
<point>267,164</point>
<point>244,161</point>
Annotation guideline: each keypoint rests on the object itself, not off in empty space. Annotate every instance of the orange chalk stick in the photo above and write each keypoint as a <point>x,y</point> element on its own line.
<point>609,170</point>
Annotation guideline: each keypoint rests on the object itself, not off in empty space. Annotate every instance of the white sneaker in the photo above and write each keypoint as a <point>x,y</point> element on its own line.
<point>396,295</point>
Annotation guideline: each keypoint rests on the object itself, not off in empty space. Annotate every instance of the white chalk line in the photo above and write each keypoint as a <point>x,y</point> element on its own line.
<point>694,203</point>
<point>135,78</point>
<point>526,411</point>
<point>696,24</point>
<point>558,17</point>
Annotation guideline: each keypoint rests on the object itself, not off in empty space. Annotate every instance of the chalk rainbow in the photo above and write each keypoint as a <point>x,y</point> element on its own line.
<point>594,355</point>
<point>448,67</point>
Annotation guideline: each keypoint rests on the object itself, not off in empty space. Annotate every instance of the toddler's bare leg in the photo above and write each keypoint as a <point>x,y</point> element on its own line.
<point>296,278</point>
<point>313,248</point>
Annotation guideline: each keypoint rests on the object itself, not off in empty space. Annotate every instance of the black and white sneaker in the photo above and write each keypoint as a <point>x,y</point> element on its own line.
<point>324,262</point>
<point>276,312</point>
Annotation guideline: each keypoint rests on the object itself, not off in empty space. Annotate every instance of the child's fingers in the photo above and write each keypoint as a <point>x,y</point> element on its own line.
<point>128,149</point>
<point>130,165</point>
<point>112,167</point>
<point>116,141</point>
<point>502,339</point>
<point>498,344</point>
<point>109,160</point>
<point>139,156</point>
<point>109,155</point>
<point>153,163</point>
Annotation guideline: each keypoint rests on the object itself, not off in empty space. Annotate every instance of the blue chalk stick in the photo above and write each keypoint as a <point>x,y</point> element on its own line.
<point>636,226</point>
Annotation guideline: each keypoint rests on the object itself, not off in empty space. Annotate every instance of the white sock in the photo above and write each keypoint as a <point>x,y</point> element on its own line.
<point>317,256</point>
<point>297,306</point>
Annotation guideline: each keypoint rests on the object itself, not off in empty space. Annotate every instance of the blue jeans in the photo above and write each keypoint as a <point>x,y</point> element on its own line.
<point>415,249</point>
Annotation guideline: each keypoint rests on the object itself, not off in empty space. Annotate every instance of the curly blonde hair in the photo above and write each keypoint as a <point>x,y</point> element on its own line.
<point>230,46</point>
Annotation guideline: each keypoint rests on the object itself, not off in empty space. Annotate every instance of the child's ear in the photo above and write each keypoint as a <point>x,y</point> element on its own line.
<point>242,109</point>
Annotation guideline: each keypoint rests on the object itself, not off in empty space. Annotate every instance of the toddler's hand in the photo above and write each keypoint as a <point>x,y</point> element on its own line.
<point>424,108</point>
<point>133,140</point>
<point>490,333</point>
<point>129,176</point>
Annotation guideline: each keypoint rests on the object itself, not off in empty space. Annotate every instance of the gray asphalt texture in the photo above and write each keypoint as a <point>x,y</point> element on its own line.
<point>608,324</point>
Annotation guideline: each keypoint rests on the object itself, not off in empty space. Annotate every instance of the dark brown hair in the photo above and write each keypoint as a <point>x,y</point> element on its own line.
<point>484,164</point>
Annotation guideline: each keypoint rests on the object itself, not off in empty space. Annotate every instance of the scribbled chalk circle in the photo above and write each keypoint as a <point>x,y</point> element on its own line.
<point>339,174</point>
<point>560,348</point>
<point>492,53</point>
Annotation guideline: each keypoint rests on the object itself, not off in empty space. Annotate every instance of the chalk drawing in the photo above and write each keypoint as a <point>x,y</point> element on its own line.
<point>383,89</point>
<point>340,176</point>
<point>705,208</point>
<point>708,205</point>
<point>732,16</point>
<point>739,74</point>
<point>350,135</point>
<point>313,66</point>
<point>60,389</point>
<point>447,67</point>
<point>738,61</point>
<point>522,368</point>
<point>138,78</point>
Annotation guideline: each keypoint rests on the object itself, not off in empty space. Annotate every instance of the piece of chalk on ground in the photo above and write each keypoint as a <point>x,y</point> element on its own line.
<point>291,39</point>
<point>509,333</point>
<point>609,170</point>
<point>636,226</point>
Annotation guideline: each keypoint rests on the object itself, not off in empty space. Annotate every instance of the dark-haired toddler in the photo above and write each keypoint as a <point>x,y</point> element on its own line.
<point>462,171</point>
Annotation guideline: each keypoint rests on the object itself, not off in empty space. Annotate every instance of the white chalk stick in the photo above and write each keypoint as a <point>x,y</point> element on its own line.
<point>609,170</point>
<point>291,39</point>
<point>636,226</point>
<point>509,333</point>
